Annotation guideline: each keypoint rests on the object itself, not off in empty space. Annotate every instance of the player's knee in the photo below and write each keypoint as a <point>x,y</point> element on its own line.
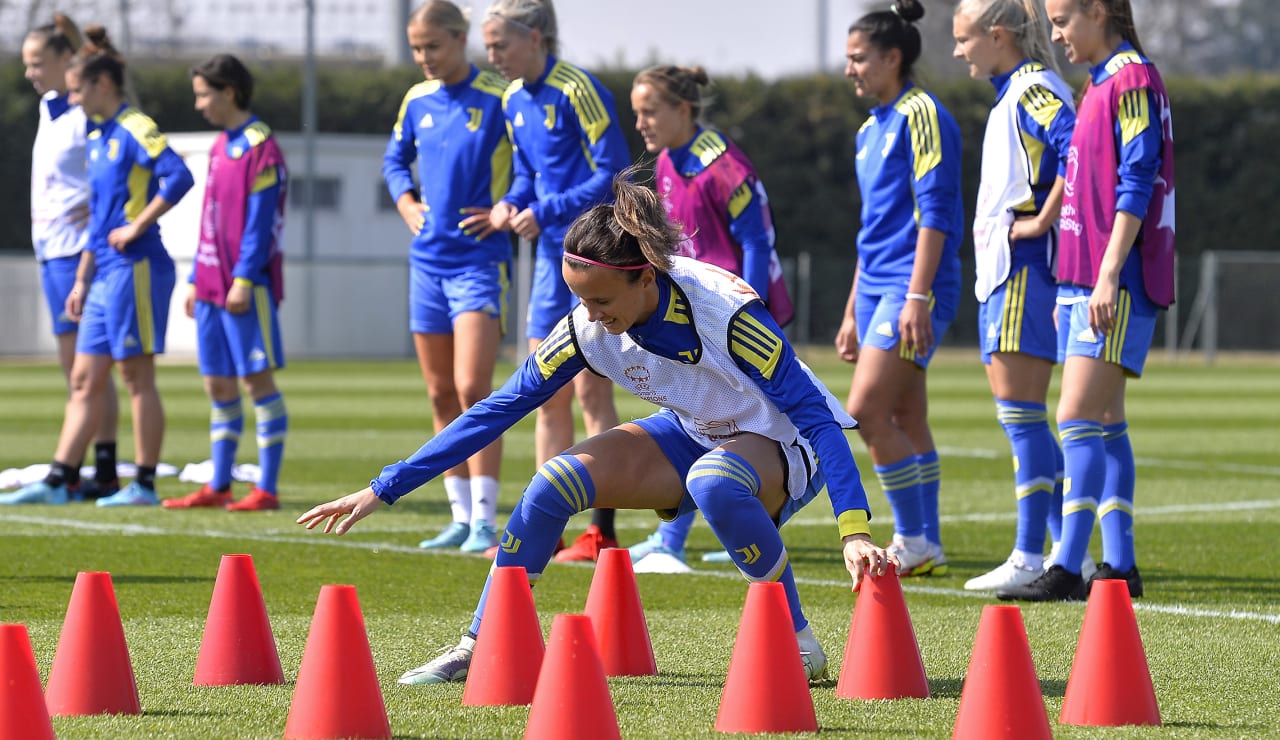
<point>719,477</point>
<point>562,487</point>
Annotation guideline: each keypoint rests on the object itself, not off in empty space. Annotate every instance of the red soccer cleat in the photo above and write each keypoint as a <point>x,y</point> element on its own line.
<point>257,500</point>
<point>205,498</point>
<point>587,547</point>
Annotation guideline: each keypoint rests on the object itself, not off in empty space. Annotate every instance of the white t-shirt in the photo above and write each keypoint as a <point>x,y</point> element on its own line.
<point>59,181</point>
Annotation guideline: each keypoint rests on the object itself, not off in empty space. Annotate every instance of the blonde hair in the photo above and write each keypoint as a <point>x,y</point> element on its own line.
<point>527,16</point>
<point>442,14</point>
<point>1025,19</point>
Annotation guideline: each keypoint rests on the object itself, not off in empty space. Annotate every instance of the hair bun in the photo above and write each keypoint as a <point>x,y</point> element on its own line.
<point>908,10</point>
<point>698,74</point>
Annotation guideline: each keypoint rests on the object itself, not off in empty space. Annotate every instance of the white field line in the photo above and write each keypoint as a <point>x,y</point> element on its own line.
<point>317,539</point>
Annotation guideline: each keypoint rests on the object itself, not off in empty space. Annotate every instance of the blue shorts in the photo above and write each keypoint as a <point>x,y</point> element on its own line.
<point>57,277</point>
<point>435,301</point>
<point>683,451</point>
<point>238,345</point>
<point>1018,317</point>
<point>549,297</point>
<point>877,318</point>
<point>127,311</point>
<point>1128,343</point>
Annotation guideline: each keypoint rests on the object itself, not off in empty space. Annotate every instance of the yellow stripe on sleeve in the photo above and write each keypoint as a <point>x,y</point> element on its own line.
<point>854,521</point>
<point>756,344</point>
<point>593,116</point>
<point>740,199</point>
<point>1135,115</point>
<point>926,132</point>
<point>268,178</point>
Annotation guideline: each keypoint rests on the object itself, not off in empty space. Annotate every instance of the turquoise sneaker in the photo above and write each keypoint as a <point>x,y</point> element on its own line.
<point>717,556</point>
<point>37,493</point>
<point>482,537</point>
<point>451,536</point>
<point>654,543</point>
<point>134,494</point>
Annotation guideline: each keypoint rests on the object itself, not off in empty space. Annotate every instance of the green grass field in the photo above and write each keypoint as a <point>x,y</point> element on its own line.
<point>1208,449</point>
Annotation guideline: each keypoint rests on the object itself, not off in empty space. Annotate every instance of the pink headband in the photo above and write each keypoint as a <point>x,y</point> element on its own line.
<point>589,261</point>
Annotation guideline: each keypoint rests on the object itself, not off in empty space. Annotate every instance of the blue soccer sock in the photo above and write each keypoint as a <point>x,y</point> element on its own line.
<point>273,427</point>
<point>1085,475</point>
<point>676,532</point>
<point>725,486</point>
<point>1115,512</point>
<point>226,423</point>
<point>930,487</point>
<point>1034,470</point>
<point>901,484</point>
<point>561,488</point>
<point>1055,503</point>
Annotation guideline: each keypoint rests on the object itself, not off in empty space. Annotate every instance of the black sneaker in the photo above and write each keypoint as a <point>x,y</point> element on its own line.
<point>96,489</point>
<point>1133,578</point>
<point>1057,584</point>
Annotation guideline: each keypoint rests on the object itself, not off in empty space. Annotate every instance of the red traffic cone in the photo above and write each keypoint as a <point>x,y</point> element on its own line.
<point>613,603</point>
<point>1001,696</point>
<point>337,693</point>
<point>238,647</point>
<point>572,701</point>
<point>508,652</point>
<point>766,689</point>
<point>1110,683</point>
<point>881,656</point>
<point>22,710</point>
<point>91,672</point>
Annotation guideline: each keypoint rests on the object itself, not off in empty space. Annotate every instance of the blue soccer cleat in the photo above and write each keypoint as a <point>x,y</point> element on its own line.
<point>37,493</point>
<point>482,537</point>
<point>134,494</point>
<point>451,536</point>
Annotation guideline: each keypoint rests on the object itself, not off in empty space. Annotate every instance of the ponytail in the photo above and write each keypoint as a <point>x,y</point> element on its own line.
<point>631,233</point>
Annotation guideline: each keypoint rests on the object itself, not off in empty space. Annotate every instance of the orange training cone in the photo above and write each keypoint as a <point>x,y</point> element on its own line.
<point>613,603</point>
<point>238,647</point>
<point>337,693</point>
<point>1001,697</point>
<point>91,672</point>
<point>766,689</point>
<point>572,701</point>
<point>508,653</point>
<point>1110,683</point>
<point>22,709</point>
<point>881,656</point>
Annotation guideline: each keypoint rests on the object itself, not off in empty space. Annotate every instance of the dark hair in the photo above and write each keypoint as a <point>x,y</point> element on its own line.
<point>677,85</point>
<point>894,29</point>
<point>1119,20</point>
<point>225,71</point>
<point>61,37</point>
<point>98,57</point>
<point>630,232</point>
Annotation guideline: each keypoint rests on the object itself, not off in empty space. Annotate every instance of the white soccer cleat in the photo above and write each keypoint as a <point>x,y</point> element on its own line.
<point>1008,574</point>
<point>811,655</point>
<point>451,665</point>
<point>1087,568</point>
<point>914,562</point>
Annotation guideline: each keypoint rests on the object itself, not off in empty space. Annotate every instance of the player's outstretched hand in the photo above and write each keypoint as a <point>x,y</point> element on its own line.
<point>862,558</point>
<point>355,506</point>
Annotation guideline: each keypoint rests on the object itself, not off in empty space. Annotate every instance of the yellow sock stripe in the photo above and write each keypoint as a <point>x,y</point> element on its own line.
<point>931,473</point>
<point>1035,486</point>
<point>723,467</point>
<point>1115,504</point>
<point>1077,505</point>
<point>1012,415</point>
<point>903,478</point>
<point>1084,432</point>
<point>269,411</point>
<point>566,481</point>
<point>219,435</point>
<point>774,573</point>
<point>225,414</point>
<point>267,441</point>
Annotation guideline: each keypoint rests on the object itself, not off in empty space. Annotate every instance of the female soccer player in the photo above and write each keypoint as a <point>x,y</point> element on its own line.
<point>460,267</point>
<point>237,283</point>
<point>125,277</point>
<point>907,282</point>
<point>742,425</point>
<point>1115,271</point>
<point>1015,235</point>
<point>568,148</point>
<point>713,192</point>
<point>59,220</point>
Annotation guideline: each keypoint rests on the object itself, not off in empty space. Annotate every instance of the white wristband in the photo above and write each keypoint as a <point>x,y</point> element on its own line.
<point>917,297</point>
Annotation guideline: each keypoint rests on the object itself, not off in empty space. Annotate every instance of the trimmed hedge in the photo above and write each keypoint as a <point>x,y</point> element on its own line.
<point>799,132</point>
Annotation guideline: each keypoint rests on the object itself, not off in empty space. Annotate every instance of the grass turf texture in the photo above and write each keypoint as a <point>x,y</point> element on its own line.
<point>1208,506</point>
